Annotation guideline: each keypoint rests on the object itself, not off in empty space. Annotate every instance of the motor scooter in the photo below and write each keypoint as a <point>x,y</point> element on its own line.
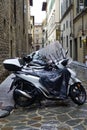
<point>30,85</point>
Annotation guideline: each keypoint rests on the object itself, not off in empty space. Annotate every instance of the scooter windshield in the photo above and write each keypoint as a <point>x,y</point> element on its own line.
<point>54,51</point>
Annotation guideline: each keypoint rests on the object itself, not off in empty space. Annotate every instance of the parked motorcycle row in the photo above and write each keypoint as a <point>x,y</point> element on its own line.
<point>37,78</point>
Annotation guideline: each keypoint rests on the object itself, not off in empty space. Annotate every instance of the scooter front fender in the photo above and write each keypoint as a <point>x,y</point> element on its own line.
<point>13,84</point>
<point>74,80</point>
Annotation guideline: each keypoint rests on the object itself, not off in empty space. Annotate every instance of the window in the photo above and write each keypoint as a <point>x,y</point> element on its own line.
<point>4,22</point>
<point>31,2</point>
<point>67,4</point>
<point>80,40</point>
<point>70,48</point>
<point>67,41</point>
<point>77,9</point>
<point>11,48</point>
<point>63,26</point>
<point>85,3</point>
<point>81,5</point>
<point>70,2</point>
<point>37,41</point>
<point>51,5</point>
<point>14,11</point>
<point>67,24</point>
<point>11,28</point>
<point>70,24</point>
<point>81,1</point>
<point>36,30</point>
<point>25,8</point>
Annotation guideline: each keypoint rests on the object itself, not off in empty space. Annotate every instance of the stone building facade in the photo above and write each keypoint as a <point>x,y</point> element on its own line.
<point>38,35</point>
<point>67,22</point>
<point>80,30</point>
<point>67,25</point>
<point>74,28</point>
<point>14,26</point>
<point>4,33</point>
<point>31,34</point>
<point>53,20</point>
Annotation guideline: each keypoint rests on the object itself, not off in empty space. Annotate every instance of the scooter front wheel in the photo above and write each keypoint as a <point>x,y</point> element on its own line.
<point>77,93</point>
<point>20,99</point>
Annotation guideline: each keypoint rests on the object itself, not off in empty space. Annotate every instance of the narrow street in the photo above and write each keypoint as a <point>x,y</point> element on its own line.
<point>27,26</point>
<point>51,116</point>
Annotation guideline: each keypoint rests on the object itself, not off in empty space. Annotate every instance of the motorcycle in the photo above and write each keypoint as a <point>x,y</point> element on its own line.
<point>30,85</point>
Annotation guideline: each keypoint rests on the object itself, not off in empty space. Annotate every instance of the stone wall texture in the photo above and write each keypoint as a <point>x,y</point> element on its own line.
<point>13,30</point>
<point>4,33</point>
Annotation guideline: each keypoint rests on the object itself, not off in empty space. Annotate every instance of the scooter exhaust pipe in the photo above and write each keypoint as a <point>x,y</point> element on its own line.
<point>22,93</point>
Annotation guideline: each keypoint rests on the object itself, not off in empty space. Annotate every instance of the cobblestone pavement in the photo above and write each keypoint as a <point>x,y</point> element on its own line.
<point>51,116</point>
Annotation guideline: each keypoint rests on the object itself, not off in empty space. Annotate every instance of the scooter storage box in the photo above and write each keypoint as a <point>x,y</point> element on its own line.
<point>12,64</point>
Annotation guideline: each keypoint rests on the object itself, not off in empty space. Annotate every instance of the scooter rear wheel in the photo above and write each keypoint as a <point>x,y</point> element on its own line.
<point>77,93</point>
<point>22,100</point>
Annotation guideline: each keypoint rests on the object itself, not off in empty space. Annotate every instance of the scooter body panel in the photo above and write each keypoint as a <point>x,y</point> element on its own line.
<point>34,80</point>
<point>73,78</point>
